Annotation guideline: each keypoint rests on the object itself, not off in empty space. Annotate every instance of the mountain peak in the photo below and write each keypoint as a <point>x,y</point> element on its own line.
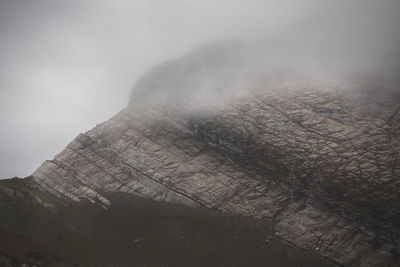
<point>250,134</point>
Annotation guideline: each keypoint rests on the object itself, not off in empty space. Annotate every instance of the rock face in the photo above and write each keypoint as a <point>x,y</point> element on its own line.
<point>323,163</point>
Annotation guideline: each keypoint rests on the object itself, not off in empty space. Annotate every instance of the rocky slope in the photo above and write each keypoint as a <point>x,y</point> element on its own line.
<point>320,160</point>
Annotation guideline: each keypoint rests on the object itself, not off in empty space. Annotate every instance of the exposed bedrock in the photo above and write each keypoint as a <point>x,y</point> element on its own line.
<point>321,162</point>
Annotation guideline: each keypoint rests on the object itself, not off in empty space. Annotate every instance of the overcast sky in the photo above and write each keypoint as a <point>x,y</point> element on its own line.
<point>66,65</point>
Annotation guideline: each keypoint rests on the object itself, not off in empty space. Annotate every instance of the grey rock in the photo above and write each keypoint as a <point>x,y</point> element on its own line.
<point>321,162</point>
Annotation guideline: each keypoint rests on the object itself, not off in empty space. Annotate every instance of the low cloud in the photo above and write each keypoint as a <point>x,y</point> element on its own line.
<point>67,65</point>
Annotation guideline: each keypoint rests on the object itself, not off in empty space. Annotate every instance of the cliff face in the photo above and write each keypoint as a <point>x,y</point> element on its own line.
<point>323,163</point>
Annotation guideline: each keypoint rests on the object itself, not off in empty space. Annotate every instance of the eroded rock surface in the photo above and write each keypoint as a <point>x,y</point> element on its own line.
<point>323,163</point>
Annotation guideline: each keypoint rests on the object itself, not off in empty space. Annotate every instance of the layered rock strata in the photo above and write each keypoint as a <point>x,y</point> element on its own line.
<point>323,163</point>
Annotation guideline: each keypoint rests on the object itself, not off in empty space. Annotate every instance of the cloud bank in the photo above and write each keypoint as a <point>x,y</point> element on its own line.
<point>67,65</point>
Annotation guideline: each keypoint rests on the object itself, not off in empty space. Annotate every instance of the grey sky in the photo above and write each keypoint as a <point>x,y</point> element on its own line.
<point>67,65</point>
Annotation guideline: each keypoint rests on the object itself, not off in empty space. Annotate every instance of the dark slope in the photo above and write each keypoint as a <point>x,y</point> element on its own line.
<point>137,232</point>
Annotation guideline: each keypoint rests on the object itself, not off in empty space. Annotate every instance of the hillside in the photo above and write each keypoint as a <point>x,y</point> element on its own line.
<point>309,160</point>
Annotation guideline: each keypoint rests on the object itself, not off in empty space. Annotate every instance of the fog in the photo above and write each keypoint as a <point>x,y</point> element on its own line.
<point>68,65</point>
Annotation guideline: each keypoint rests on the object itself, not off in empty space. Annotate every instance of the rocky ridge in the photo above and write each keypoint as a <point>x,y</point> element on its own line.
<point>320,162</point>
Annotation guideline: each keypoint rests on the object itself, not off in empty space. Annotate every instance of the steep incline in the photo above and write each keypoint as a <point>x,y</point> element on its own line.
<point>323,163</point>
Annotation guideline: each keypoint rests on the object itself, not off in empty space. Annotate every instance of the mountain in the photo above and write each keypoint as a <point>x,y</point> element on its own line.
<point>309,152</point>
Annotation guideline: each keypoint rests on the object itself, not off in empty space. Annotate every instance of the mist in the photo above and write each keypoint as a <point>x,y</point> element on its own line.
<point>68,65</point>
